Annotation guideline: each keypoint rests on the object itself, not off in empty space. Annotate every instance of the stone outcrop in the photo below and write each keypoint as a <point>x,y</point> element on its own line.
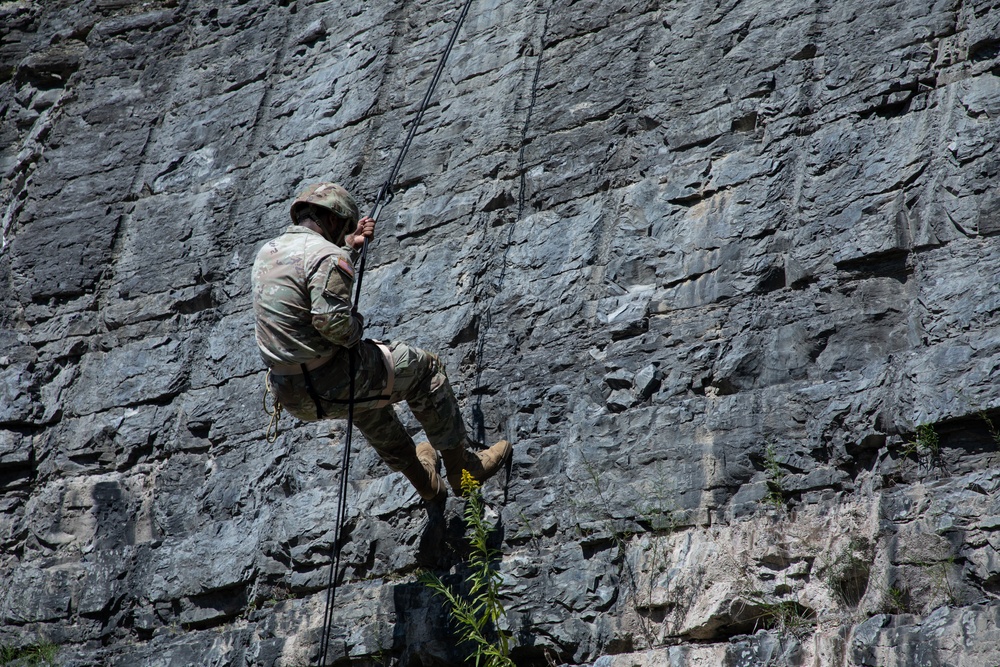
<point>725,272</point>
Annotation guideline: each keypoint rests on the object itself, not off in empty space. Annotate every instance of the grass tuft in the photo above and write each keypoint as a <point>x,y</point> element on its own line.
<point>42,654</point>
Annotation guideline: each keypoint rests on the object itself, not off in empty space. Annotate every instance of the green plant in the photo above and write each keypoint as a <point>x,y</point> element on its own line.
<point>994,431</point>
<point>940,582</point>
<point>527,530</point>
<point>619,528</point>
<point>781,615</point>
<point>659,519</point>
<point>897,600</point>
<point>42,654</point>
<point>788,615</point>
<point>848,577</point>
<point>928,440</point>
<point>659,512</point>
<point>775,477</point>
<point>657,515</point>
<point>477,616</point>
<point>925,443</point>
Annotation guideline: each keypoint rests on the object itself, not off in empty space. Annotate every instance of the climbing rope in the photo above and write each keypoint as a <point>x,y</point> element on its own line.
<point>331,585</point>
<point>382,199</point>
<point>385,193</point>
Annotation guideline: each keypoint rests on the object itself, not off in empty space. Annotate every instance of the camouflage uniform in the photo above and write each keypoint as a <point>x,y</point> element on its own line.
<point>302,287</point>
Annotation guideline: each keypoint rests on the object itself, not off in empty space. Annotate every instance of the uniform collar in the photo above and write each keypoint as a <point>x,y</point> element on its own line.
<point>299,229</point>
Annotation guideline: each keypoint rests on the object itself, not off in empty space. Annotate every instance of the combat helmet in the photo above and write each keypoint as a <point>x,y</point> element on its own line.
<point>330,196</point>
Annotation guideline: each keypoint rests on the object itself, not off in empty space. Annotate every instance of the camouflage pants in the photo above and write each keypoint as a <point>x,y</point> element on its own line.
<point>420,381</point>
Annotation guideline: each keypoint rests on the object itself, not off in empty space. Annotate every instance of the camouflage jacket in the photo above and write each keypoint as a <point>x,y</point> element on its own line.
<point>302,286</point>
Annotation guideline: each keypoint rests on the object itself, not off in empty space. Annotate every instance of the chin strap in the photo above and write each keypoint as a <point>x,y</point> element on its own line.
<point>336,239</point>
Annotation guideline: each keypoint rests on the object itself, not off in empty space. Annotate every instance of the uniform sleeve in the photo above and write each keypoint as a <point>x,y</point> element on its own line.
<point>330,290</point>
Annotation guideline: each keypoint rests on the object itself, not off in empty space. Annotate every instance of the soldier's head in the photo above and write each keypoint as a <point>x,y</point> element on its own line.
<point>330,207</point>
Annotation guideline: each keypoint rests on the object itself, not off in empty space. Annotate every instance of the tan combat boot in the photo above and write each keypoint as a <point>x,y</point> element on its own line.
<point>481,465</point>
<point>422,473</point>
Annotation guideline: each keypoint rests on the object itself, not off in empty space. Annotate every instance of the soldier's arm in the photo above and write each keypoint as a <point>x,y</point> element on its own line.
<point>330,292</point>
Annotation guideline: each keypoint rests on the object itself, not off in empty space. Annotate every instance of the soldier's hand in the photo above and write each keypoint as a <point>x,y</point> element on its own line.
<point>365,230</point>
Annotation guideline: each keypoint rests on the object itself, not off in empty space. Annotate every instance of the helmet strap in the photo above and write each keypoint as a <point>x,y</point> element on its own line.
<point>334,228</point>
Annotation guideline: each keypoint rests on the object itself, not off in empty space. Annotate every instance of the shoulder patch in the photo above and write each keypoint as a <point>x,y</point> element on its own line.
<point>339,278</point>
<point>345,268</point>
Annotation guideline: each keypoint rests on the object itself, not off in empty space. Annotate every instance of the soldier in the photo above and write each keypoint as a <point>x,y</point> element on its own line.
<point>302,286</point>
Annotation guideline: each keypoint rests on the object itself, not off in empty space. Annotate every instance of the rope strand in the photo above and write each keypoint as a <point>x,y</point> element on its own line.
<point>385,195</point>
<point>345,462</point>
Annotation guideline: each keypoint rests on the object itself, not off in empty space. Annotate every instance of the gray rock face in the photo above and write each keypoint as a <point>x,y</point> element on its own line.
<point>725,272</point>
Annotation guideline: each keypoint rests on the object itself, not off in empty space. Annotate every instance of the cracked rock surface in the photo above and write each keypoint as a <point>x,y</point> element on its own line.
<point>724,272</point>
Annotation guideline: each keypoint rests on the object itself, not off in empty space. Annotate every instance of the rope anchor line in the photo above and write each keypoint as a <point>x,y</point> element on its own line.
<point>385,195</point>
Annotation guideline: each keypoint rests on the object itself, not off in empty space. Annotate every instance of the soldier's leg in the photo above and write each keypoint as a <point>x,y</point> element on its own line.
<point>421,382</point>
<point>384,432</point>
<point>387,436</point>
<point>380,426</point>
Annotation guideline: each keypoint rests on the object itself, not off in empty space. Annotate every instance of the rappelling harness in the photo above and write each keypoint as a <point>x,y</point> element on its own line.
<point>305,370</point>
<point>382,199</point>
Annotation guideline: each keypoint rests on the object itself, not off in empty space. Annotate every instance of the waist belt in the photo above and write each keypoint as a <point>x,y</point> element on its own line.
<point>303,369</point>
<point>298,369</point>
<point>381,401</point>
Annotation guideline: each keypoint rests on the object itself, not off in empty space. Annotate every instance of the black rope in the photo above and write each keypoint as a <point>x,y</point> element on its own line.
<point>478,417</point>
<point>385,195</point>
<point>331,587</point>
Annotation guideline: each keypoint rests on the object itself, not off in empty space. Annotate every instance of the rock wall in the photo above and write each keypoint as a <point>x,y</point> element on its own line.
<point>725,272</point>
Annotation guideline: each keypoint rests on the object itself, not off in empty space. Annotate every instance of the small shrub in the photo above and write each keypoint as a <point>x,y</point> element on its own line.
<point>926,444</point>
<point>775,476</point>
<point>773,614</point>
<point>848,577</point>
<point>928,441</point>
<point>478,614</point>
<point>994,431</point>
<point>788,615</point>
<point>897,600</point>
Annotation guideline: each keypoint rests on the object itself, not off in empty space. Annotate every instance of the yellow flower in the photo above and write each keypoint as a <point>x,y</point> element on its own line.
<point>469,483</point>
